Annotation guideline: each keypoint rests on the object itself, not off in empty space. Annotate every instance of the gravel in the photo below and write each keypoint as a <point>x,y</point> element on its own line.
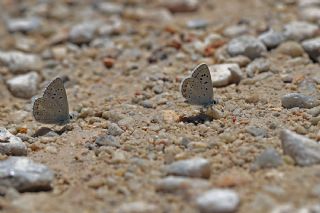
<point>24,175</point>
<point>24,86</point>
<point>292,100</point>
<point>246,45</point>
<point>218,201</point>
<point>196,167</point>
<point>10,144</point>
<point>115,130</point>
<point>304,151</point>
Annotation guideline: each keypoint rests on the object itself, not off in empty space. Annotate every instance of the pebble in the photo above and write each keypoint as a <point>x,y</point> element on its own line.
<point>290,48</point>
<point>236,30</point>
<point>241,60</point>
<point>311,14</point>
<point>257,132</point>
<point>24,86</point>
<point>197,24</point>
<point>308,3</point>
<point>218,201</point>
<point>115,130</point>
<point>225,74</point>
<point>299,30</point>
<point>19,62</point>
<point>83,32</point>
<point>269,158</point>
<point>176,6</point>
<point>23,24</point>
<point>314,111</point>
<point>107,140</point>
<point>259,65</point>
<point>173,184</point>
<point>10,144</point>
<point>312,47</point>
<point>292,100</point>
<point>246,45</point>
<point>302,150</point>
<point>196,167</point>
<point>136,207</point>
<point>24,175</point>
<point>271,38</point>
<point>110,8</point>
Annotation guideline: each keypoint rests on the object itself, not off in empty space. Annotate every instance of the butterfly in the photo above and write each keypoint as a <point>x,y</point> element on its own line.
<point>197,89</point>
<point>53,107</point>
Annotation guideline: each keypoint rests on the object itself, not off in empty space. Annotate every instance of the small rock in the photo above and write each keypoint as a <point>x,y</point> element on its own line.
<point>247,46</point>
<point>311,14</point>
<point>169,116</point>
<point>292,100</point>
<point>236,30</point>
<point>197,24</point>
<point>257,132</point>
<point>115,130</point>
<point>299,30</point>
<point>24,175</point>
<point>137,207</point>
<point>302,150</point>
<point>259,65</point>
<point>23,24</point>
<point>19,62</point>
<point>107,140</point>
<point>314,111</point>
<point>24,86</point>
<point>218,201</point>
<point>271,38</point>
<point>269,158</point>
<point>290,48</point>
<point>173,184</point>
<point>225,74</point>
<point>10,144</point>
<point>308,3</point>
<point>110,8</point>
<point>83,32</point>
<point>196,167</point>
<point>312,47</point>
<point>176,6</point>
<point>241,60</point>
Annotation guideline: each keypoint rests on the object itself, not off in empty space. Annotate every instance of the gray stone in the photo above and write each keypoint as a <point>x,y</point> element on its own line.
<point>218,201</point>
<point>176,6</point>
<point>196,167</point>
<point>312,47</point>
<point>24,86</point>
<point>292,100</point>
<point>257,132</point>
<point>246,45</point>
<point>23,24</point>
<point>115,130</point>
<point>197,23</point>
<point>302,150</point>
<point>308,3</point>
<point>19,62</point>
<point>310,14</point>
<point>225,74</point>
<point>173,184</point>
<point>271,38</point>
<point>110,8</point>
<point>259,65</point>
<point>83,32</point>
<point>136,207</point>
<point>24,175</point>
<point>236,30</point>
<point>107,140</point>
<point>299,30</point>
<point>10,144</point>
<point>269,158</point>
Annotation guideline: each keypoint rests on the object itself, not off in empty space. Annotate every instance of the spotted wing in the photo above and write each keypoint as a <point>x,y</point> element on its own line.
<point>53,107</point>
<point>191,90</point>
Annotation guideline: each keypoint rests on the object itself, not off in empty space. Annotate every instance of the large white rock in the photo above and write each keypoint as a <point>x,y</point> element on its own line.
<point>24,86</point>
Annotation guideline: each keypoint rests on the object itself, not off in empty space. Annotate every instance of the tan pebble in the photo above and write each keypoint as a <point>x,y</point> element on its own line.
<point>96,182</point>
<point>51,149</point>
<point>233,178</point>
<point>169,116</point>
<point>291,48</point>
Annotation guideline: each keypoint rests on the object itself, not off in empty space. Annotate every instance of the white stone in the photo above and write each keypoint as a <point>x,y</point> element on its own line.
<point>19,62</point>
<point>24,86</point>
<point>196,167</point>
<point>299,30</point>
<point>225,74</point>
<point>10,144</point>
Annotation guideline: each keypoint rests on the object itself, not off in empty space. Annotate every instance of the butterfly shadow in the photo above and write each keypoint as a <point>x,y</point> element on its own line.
<point>43,131</point>
<point>196,119</point>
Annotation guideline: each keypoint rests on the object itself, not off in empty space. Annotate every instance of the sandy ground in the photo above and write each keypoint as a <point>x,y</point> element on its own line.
<point>89,178</point>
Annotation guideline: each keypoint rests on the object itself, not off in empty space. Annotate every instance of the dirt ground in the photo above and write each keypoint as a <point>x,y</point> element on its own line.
<point>140,92</point>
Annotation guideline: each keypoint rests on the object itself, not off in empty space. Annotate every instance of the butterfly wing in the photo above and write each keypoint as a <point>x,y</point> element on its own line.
<point>202,73</point>
<point>191,90</point>
<point>53,107</point>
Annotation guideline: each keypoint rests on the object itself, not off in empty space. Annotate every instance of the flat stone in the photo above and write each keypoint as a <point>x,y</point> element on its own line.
<point>246,45</point>
<point>174,184</point>
<point>269,158</point>
<point>23,24</point>
<point>24,86</point>
<point>10,144</point>
<point>302,150</point>
<point>24,175</point>
<point>218,201</point>
<point>19,62</point>
<point>292,100</point>
<point>225,74</point>
<point>298,30</point>
<point>107,140</point>
<point>196,167</point>
<point>271,38</point>
<point>312,47</point>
